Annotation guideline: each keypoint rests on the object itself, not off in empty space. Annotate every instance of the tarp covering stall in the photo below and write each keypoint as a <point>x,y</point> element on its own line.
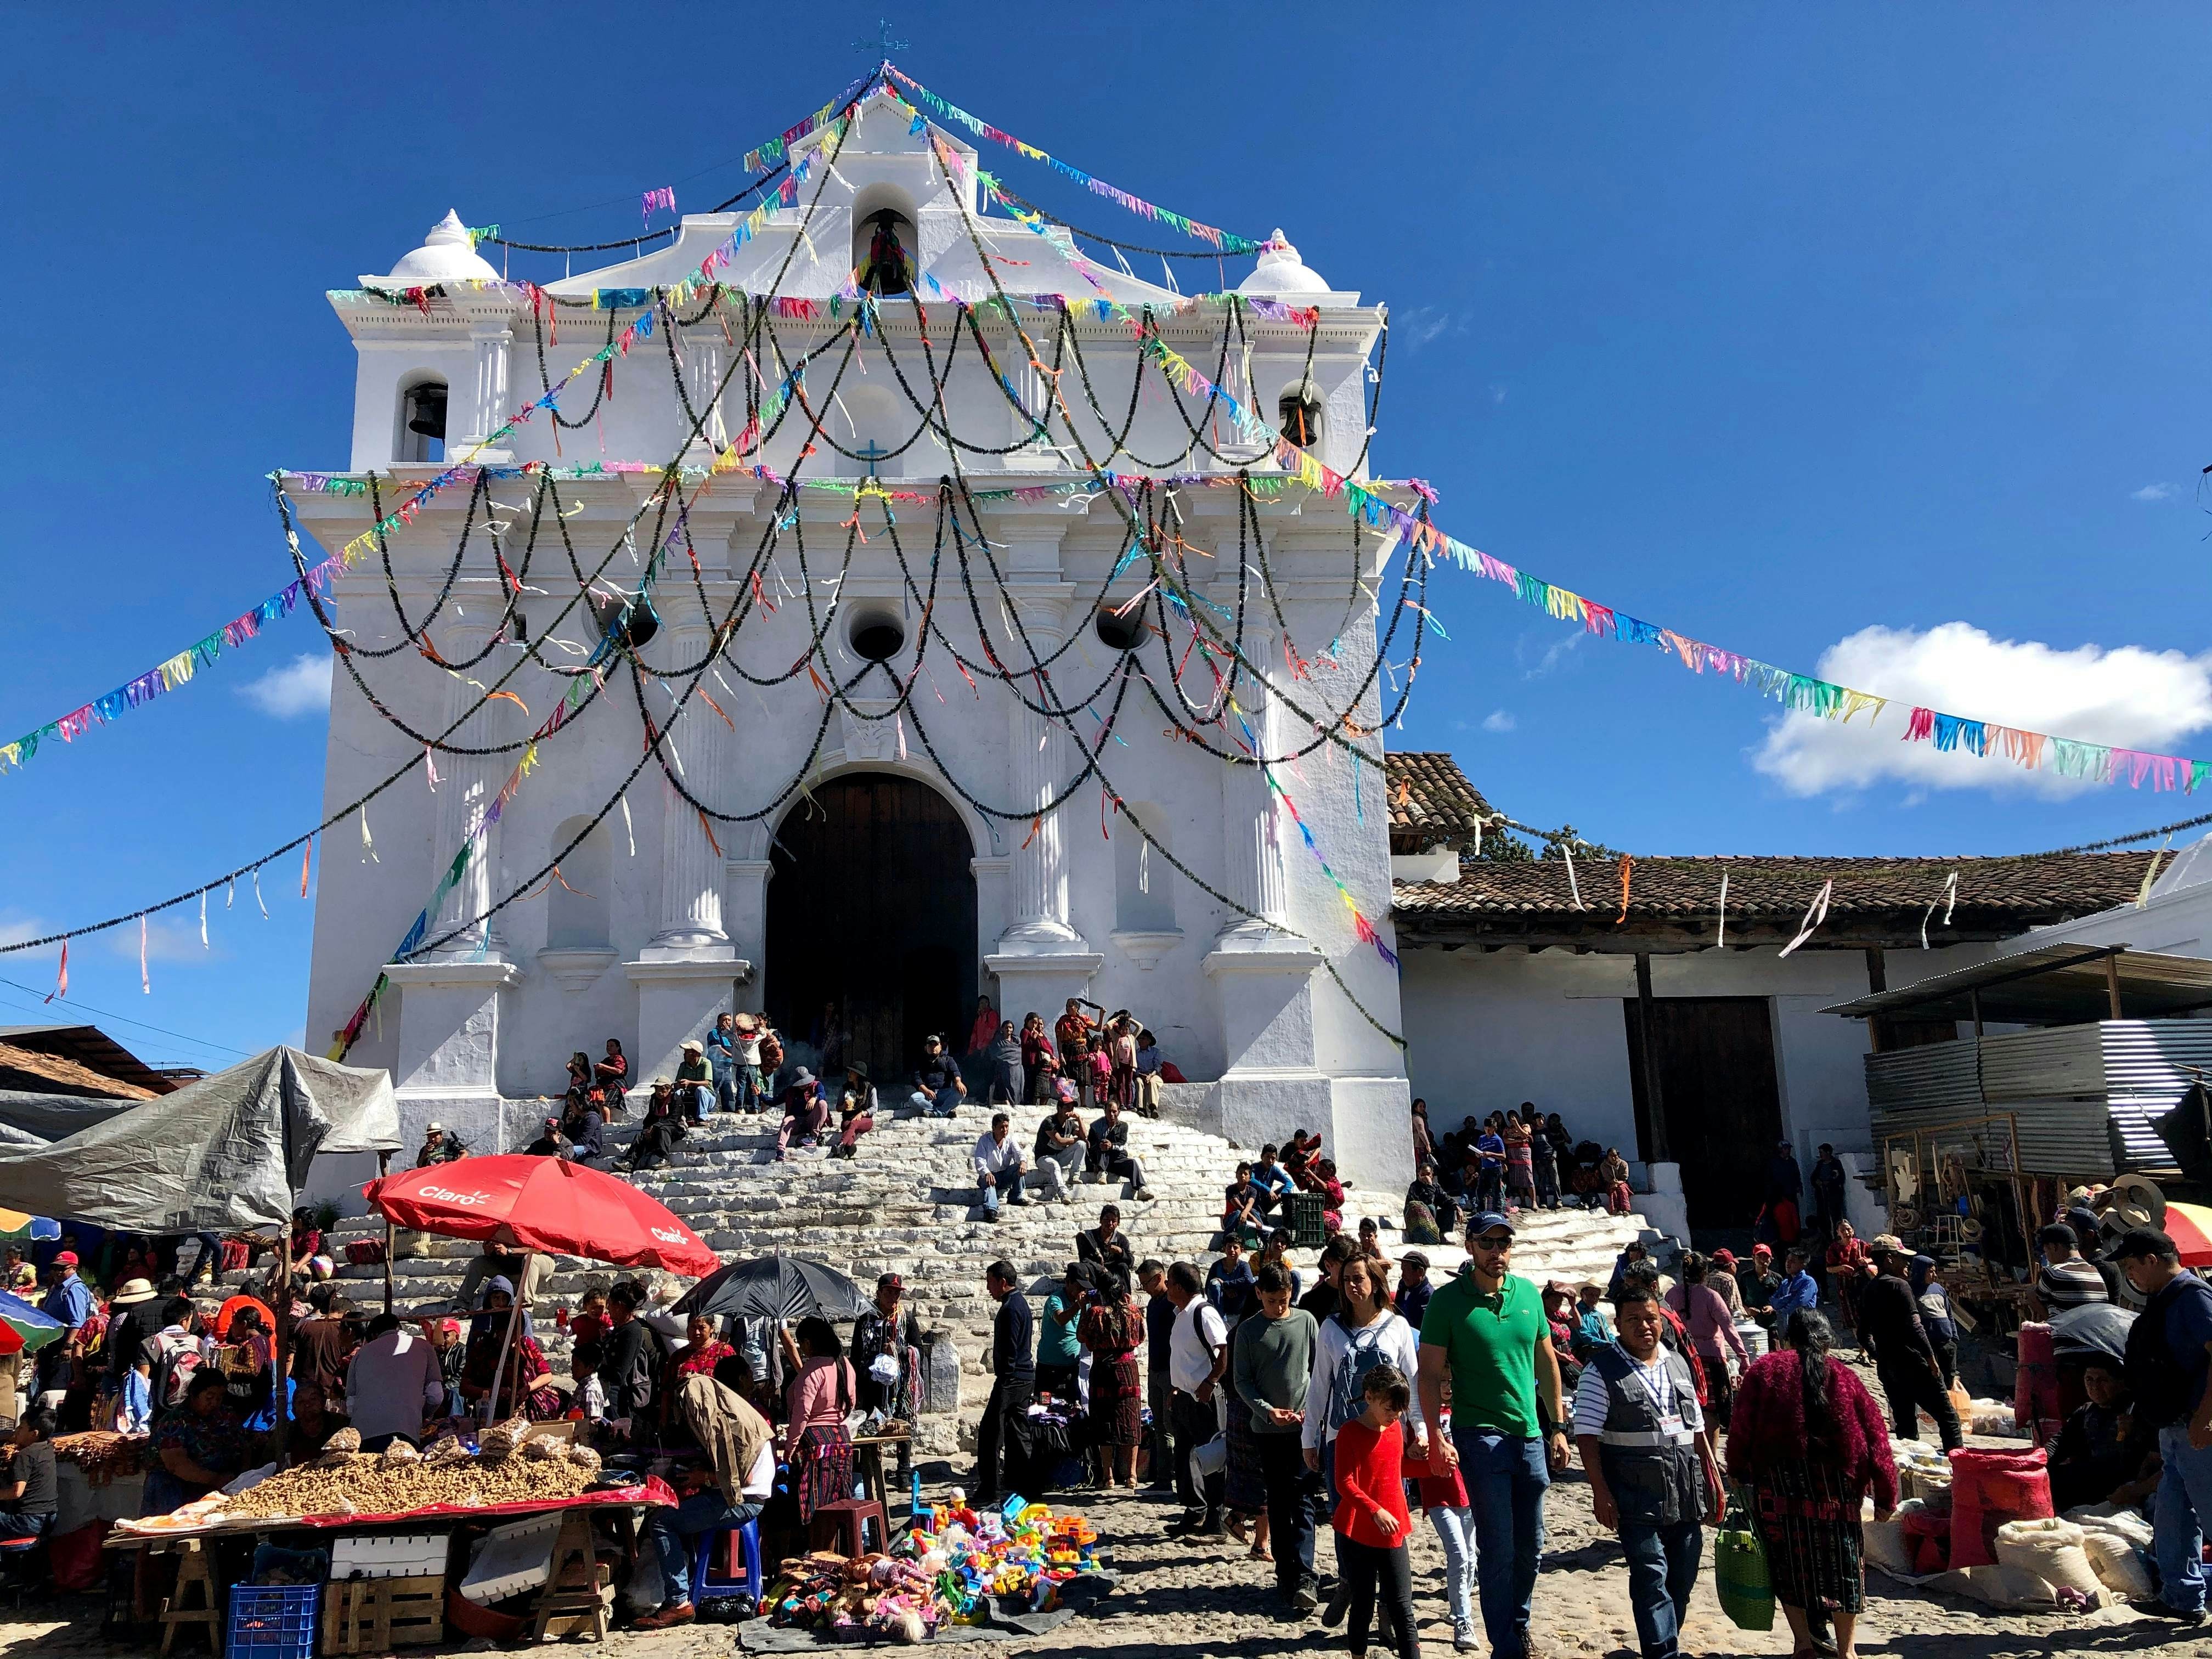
<point>227,1152</point>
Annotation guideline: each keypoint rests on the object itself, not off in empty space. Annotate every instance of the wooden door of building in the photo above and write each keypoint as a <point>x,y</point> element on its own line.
<point>1715,1057</point>
<point>871,908</point>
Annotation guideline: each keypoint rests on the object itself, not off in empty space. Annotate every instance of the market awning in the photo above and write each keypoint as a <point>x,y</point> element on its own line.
<point>2052,985</point>
<point>229,1150</point>
<point>546,1204</point>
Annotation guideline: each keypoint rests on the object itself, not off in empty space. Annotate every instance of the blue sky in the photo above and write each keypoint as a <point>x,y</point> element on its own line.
<point>1773,324</point>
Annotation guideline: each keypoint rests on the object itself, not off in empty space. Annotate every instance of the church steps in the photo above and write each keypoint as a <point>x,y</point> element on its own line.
<point>906,1204</point>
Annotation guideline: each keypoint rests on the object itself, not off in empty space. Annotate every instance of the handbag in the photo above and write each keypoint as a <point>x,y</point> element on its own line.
<point>1740,1576</point>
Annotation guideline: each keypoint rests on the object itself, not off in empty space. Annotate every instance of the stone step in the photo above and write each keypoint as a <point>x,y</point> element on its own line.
<point>907,1203</point>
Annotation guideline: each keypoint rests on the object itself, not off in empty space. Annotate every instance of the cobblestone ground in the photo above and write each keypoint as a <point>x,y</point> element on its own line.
<point>1179,1600</point>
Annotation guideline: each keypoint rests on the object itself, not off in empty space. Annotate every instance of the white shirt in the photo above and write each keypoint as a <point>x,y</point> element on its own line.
<point>760,1480</point>
<point>1198,1336</point>
<point>1593,1402</point>
<point>748,1047</point>
<point>394,1382</point>
<point>1399,1345</point>
<point>996,1158</point>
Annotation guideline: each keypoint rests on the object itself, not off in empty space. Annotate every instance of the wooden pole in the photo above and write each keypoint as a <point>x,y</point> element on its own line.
<point>1654,1106</point>
<point>1877,983</point>
<point>279,1364</point>
<point>384,1169</point>
<point>1974,1002</point>
<point>2112,985</point>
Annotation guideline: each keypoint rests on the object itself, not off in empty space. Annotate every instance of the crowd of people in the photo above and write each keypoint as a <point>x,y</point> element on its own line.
<point>1507,1162</point>
<point>1347,1399</point>
<point>1089,1060</point>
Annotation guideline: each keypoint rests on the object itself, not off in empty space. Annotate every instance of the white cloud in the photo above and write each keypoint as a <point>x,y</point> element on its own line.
<point>2152,492</point>
<point>1497,394</point>
<point>1419,325</point>
<point>302,686</point>
<point>16,927</point>
<point>2127,696</point>
<point>1498,721</point>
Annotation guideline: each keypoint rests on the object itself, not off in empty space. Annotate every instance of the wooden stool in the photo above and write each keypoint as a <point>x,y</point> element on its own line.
<point>581,1594</point>
<point>176,1609</point>
<point>847,1522</point>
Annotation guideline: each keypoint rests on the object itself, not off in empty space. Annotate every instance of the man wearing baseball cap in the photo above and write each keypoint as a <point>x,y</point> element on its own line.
<point>1904,1358</point>
<point>1486,1330</point>
<point>70,1299</point>
<point>2169,1359</point>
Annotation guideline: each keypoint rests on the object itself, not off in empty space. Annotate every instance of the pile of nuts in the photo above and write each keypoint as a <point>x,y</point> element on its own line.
<point>345,1480</point>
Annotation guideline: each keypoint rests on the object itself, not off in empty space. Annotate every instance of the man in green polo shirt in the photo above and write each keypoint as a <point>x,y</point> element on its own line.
<point>1486,1330</point>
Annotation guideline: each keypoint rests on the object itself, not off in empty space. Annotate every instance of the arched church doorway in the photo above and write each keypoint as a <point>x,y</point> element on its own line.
<point>872,907</point>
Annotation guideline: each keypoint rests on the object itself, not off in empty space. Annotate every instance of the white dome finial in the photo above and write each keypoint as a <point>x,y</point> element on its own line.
<point>1280,271</point>
<point>448,254</point>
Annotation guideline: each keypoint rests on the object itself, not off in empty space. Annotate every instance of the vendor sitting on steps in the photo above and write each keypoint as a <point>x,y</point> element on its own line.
<point>938,1084</point>
<point>999,1167</point>
<point>1109,1157</point>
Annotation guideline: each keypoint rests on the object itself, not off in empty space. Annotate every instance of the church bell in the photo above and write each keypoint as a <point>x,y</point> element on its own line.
<point>426,416</point>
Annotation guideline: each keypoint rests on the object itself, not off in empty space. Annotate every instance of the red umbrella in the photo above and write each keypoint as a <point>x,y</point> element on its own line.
<point>545,1204</point>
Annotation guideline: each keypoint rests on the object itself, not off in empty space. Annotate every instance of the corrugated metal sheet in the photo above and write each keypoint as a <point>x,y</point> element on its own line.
<point>1936,1077</point>
<point>2083,1095</point>
<point>2069,1060</point>
<point>2144,1057</point>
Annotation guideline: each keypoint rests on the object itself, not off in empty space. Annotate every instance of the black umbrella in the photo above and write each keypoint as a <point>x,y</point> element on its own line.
<point>2094,1328</point>
<point>782,1287</point>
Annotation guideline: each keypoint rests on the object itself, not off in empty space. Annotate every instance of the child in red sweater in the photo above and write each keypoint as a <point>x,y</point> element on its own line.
<point>1372,1522</point>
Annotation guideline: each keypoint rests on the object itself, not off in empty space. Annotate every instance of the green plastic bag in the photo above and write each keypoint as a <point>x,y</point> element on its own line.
<point>1740,1572</point>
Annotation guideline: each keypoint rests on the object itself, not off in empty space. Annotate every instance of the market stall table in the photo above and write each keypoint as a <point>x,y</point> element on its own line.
<point>196,1600</point>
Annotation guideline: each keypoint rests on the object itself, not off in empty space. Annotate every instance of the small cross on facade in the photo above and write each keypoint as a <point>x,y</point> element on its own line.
<point>874,452</point>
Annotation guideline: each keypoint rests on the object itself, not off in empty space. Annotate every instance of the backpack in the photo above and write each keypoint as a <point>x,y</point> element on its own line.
<point>1347,1390</point>
<point>174,1366</point>
<point>771,1052</point>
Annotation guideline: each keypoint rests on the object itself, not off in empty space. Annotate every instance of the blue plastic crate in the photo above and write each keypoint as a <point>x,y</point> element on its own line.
<point>273,1622</point>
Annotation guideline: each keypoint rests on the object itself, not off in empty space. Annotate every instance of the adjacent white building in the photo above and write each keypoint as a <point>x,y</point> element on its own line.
<point>1579,985</point>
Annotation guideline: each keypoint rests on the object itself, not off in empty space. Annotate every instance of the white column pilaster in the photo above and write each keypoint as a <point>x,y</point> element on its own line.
<point>466,786</point>
<point>701,747</point>
<point>490,400</point>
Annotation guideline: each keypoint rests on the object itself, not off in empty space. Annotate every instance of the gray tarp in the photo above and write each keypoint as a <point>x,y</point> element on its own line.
<point>227,1152</point>
<point>28,1121</point>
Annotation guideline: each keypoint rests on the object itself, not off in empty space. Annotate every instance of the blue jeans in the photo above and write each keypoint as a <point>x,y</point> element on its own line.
<point>13,1524</point>
<point>1455,1532</point>
<point>2180,1514</point>
<point>1507,1477</point>
<point>943,1104</point>
<point>672,1532</point>
<point>725,1084</point>
<point>1006,1183</point>
<point>1489,1189</point>
<point>1662,1571</point>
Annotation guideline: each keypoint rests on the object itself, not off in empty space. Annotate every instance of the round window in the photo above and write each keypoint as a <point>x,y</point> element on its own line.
<point>1120,633</point>
<point>877,638</point>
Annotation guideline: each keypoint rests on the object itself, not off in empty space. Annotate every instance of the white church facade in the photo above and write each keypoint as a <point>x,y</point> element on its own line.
<point>853,867</point>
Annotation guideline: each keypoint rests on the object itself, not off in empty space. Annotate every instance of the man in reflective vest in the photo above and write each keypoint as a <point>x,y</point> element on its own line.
<point>1650,1466</point>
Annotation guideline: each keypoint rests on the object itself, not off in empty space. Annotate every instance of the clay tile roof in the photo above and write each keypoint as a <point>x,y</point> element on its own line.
<point>1431,802</point>
<point>35,1070</point>
<point>2024,892</point>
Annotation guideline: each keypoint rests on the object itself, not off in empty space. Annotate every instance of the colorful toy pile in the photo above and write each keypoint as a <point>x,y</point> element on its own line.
<point>942,1573</point>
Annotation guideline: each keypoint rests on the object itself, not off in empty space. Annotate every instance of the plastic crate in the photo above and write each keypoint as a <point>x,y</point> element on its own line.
<point>1308,1231</point>
<point>272,1621</point>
